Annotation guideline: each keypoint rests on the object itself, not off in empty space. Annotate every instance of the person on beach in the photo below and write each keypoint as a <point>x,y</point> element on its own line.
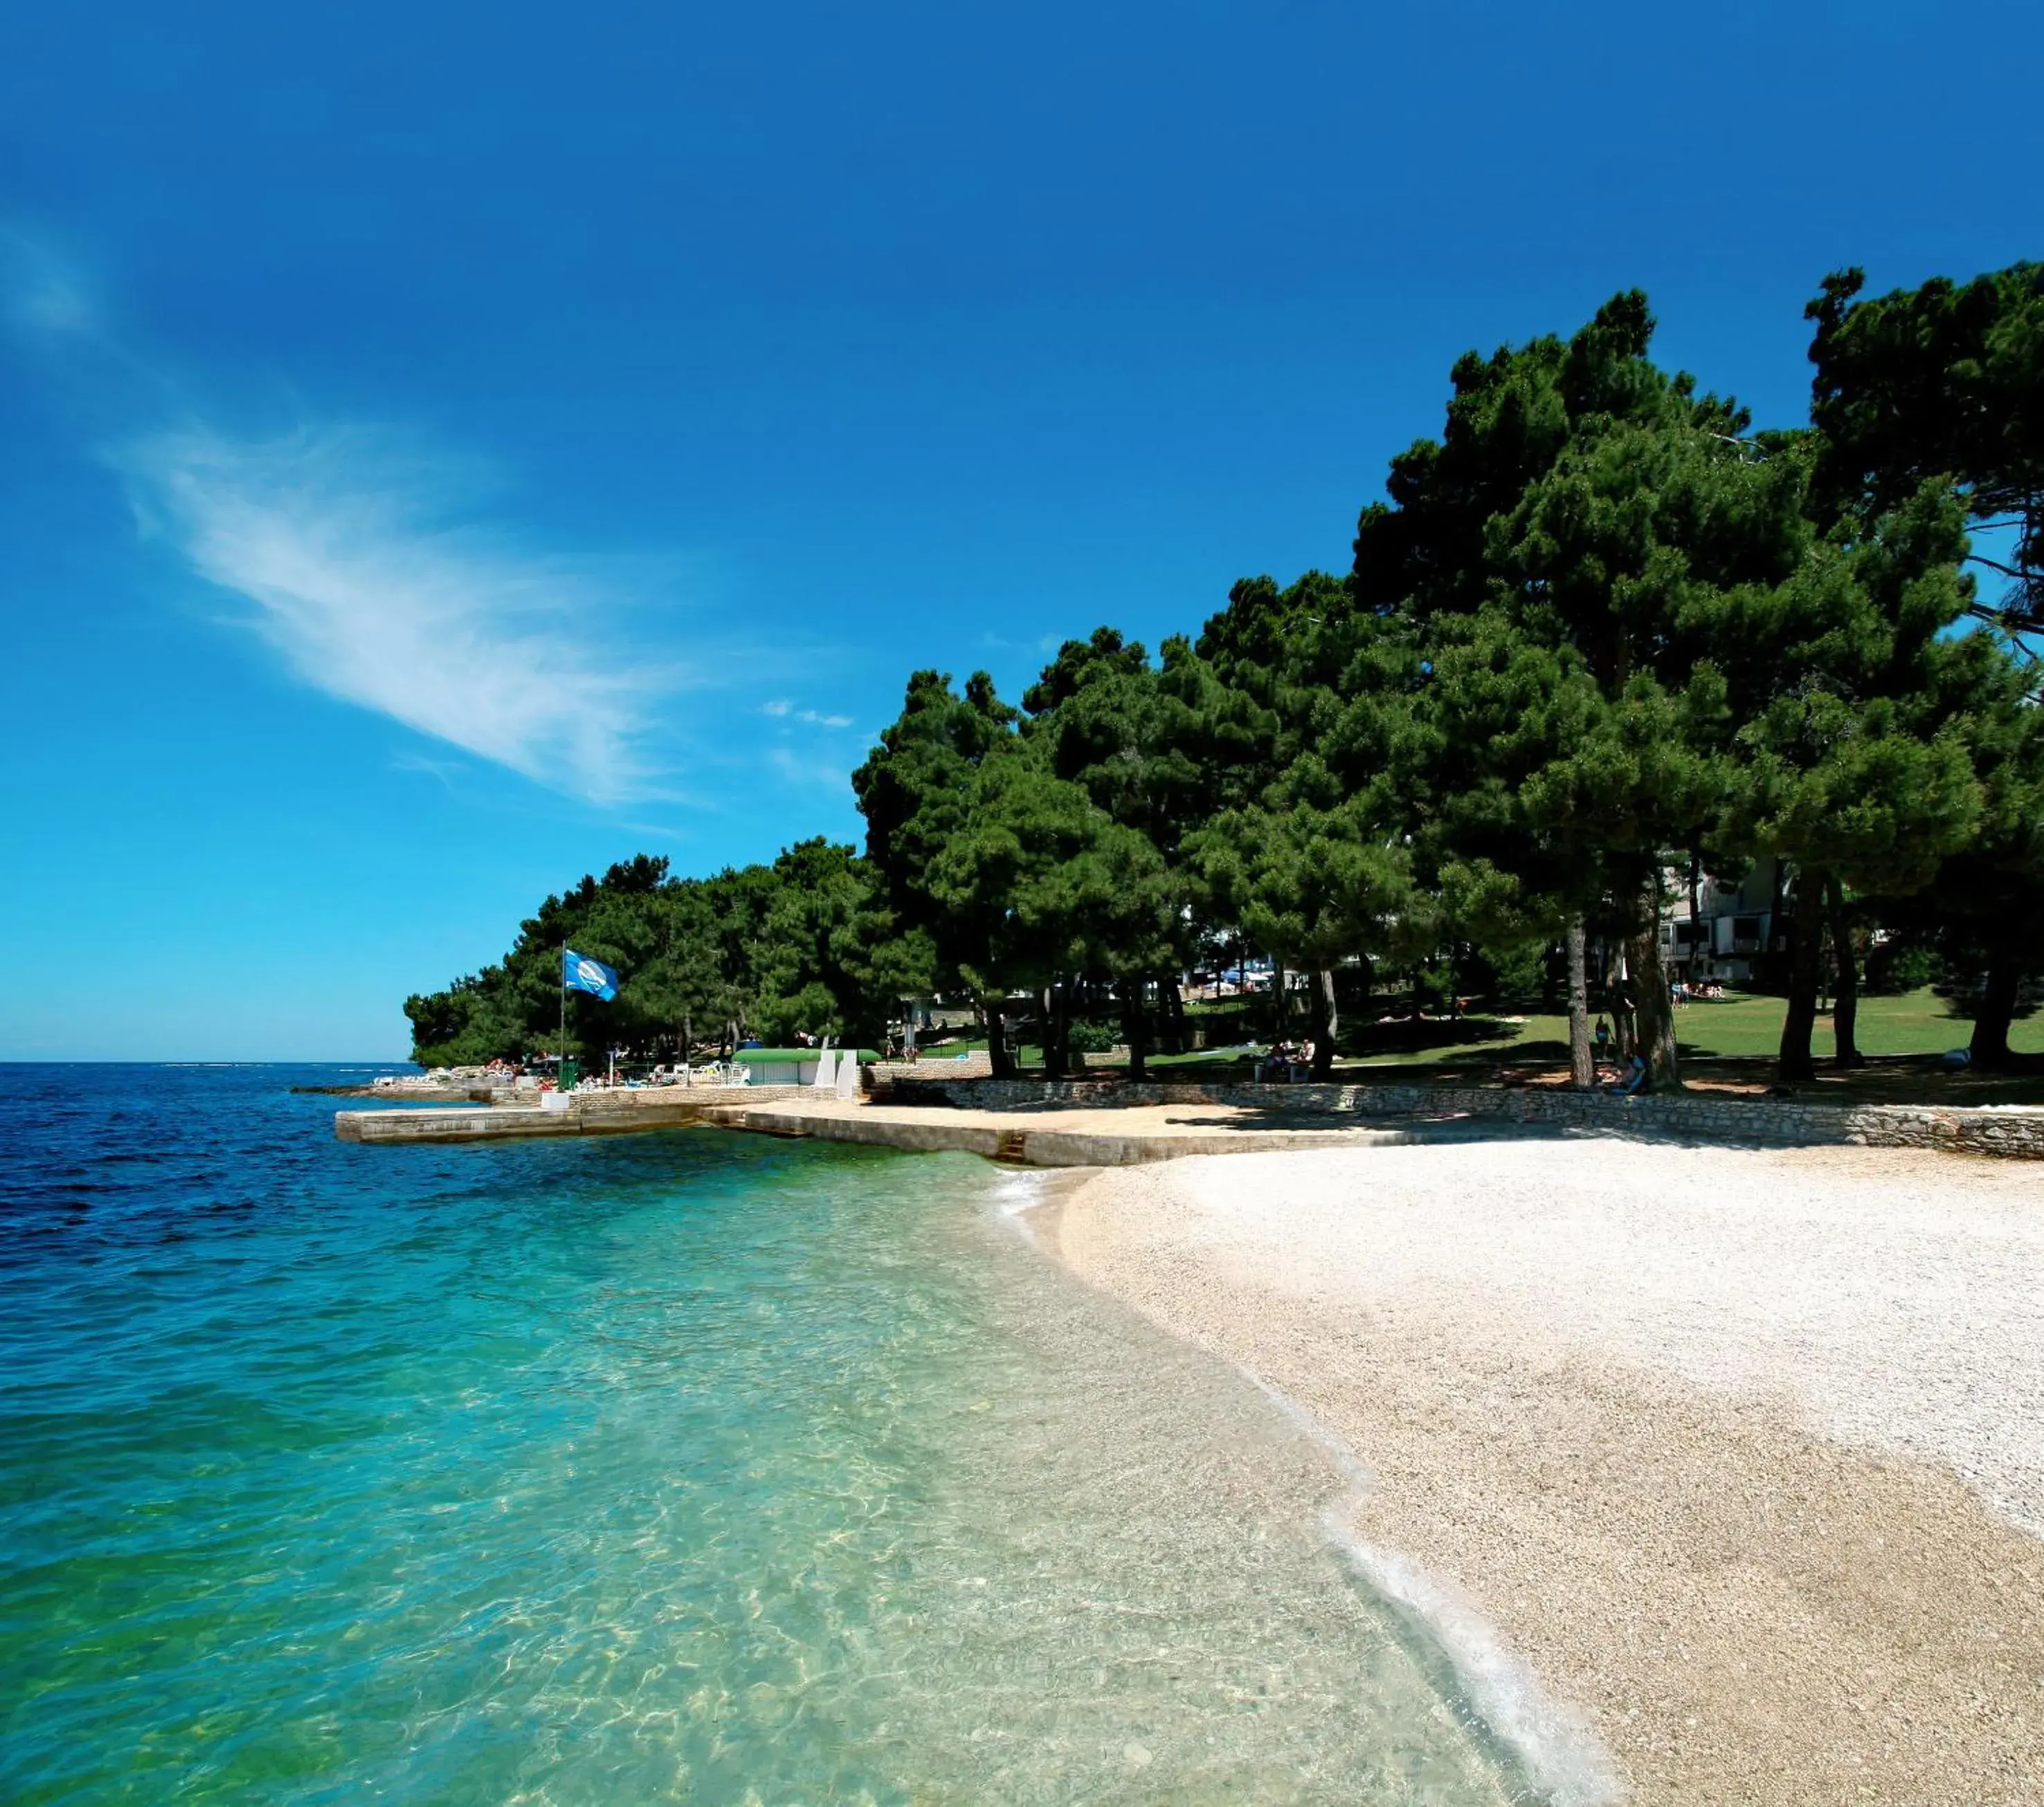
<point>1603,1043</point>
<point>1634,1079</point>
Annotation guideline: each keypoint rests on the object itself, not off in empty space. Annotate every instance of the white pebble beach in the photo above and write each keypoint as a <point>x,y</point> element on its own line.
<point>1741,1452</point>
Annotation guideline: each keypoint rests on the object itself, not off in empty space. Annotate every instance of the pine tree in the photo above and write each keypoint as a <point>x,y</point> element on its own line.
<point>1942,383</point>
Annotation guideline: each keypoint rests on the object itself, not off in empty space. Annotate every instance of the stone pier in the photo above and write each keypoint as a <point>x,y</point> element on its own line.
<point>585,1114</point>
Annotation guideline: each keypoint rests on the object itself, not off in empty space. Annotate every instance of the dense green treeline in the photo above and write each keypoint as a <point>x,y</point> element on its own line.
<point>1599,630</point>
<point>765,950</point>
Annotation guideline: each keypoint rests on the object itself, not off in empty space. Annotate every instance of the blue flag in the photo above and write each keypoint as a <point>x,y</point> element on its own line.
<point>580,973</point>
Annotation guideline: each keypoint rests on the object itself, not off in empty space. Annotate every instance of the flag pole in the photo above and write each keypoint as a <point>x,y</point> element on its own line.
<point>560,1060</point>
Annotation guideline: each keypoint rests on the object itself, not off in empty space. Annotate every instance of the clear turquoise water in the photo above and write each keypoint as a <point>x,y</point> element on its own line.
<point>690,1466</point>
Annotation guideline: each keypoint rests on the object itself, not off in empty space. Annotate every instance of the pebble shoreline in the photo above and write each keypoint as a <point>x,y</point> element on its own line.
<point>1741,1449</point>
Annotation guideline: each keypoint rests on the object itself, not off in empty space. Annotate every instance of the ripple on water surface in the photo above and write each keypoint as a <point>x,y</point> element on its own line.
<point>689,1465</point>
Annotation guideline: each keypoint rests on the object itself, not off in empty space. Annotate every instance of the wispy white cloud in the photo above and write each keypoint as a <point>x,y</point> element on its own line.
<point>806,772</point>
<point>358,558</point>
<point>46,294</point>
<point>784,710</point>
<point>444,772</point>
<point>363,580</point>
<point>1044,644</point>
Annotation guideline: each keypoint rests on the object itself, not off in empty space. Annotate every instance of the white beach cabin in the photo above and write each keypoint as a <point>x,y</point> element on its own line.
<point>798,1066</point>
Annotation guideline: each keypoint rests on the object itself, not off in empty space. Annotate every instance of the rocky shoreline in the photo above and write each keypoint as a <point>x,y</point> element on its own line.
<point>443,1085</point>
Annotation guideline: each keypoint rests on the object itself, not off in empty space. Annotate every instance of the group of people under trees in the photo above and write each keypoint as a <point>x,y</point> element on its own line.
<point>1601,627</point>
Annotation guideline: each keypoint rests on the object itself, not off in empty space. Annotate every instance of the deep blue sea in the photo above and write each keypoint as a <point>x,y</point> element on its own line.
<point>688,1467</point>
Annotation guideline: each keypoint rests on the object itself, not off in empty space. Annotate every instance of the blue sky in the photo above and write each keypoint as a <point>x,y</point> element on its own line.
<point>450,448</point>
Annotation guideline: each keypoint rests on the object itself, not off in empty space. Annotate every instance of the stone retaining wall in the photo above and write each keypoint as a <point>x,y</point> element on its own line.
<point>603,1109</point>
<point>878,1076</point>
<point>1996,1129</point>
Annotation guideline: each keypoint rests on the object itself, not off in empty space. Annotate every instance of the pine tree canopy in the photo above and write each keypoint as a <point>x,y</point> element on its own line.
<point>1600,629</point>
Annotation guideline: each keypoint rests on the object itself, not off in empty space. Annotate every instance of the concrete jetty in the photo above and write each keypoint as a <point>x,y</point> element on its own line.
<point>585,1113</point>
<point>1044,1138</point>
<point>1052,1138</point>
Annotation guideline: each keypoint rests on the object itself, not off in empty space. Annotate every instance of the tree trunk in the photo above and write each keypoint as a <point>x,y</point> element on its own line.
<point>999,1059</point>
<point>1600,976</point>
<point>1765,969</point>
<point>688,1045</point>
<point>1618,989</point>
<point>1806,935</point>
<point>1327,1024</point>
<point>1997,1008</point>
<point>1277,1001</point>
<point>1172,1007</point>
<point>1654,1015</point>
<point>1844,1011</point>
<point>1133,1027</point>
<point>1696,917</point>
<point>1582,1066</point>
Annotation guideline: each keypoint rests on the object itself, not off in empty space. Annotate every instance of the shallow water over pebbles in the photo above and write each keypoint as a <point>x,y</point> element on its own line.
<point>690,1465</point>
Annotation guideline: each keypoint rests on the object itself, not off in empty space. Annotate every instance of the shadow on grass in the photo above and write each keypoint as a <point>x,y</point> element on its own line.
<point>1404,1035</point>
<point>1474,1058</point>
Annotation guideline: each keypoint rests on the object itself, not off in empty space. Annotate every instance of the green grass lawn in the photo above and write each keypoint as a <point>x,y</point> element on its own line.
<point>1746,1025</point>
<point>1917,1022</point>
<point>1743,1026</point>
